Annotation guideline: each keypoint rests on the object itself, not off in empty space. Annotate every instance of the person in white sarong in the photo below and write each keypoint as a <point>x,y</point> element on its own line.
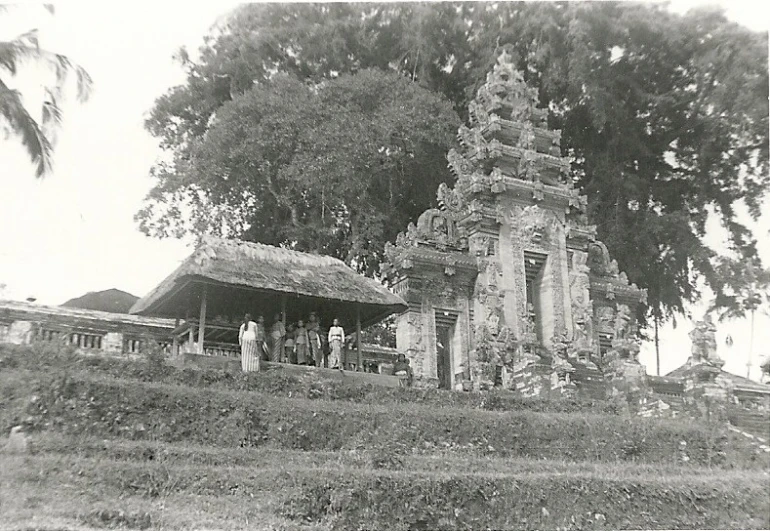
<point>336,340</point>
<point>247,339</point>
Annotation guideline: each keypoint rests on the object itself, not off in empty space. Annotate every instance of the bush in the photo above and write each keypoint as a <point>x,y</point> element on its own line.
<point>397,501</point>
<point>100,406</point>
<point>277,383</point>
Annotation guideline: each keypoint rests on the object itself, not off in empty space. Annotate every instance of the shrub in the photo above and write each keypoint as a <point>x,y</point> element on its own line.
<point>398,501</point>
<point>106,407</point>
<point>278,383</point>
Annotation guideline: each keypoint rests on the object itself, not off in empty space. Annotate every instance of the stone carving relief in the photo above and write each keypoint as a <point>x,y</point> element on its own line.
<point>459,164</point>
<point>498,181</point>
<point>476,146</point>
<point>605,316</point>
<point>535,225</point>
<point>623,322</point>
<point>624,342</point>
<point>449,199</point>
<point>505,88</point>
<point>582,310</point>
<point>599,260</point>
<point>481,246</point>
<point>434,227</point>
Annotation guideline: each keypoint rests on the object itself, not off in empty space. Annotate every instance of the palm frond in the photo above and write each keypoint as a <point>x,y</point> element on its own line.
<point>16,51</point>
<point>26,47</point>
<point>52,113</point>
<point>22,124</point>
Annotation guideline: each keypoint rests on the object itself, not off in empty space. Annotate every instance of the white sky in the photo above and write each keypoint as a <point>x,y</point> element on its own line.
<point>74,232</point>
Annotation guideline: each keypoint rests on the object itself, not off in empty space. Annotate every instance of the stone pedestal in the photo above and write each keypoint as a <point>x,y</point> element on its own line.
<point>112,343</point>
<point>704,388</point>
<point>532,380</point>
<point>20,333</point>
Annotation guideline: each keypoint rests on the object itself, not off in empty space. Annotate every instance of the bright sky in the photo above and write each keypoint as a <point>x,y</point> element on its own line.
<point>74,232</point>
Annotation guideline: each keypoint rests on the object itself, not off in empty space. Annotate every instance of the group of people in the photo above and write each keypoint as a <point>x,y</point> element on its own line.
<point>303,343</point>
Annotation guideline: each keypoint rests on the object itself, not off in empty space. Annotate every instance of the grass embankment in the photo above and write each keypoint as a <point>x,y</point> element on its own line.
<point>79,403</point>
<point>43,358</point>
<point>141,444</point>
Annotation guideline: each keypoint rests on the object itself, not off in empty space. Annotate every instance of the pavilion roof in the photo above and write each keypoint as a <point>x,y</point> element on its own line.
<point>739,382</point>
<point>234,266</point>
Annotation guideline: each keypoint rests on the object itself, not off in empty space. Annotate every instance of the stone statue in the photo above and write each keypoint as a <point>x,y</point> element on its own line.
<point>440,230</point>
<point>704,343</point>
<point>493,322</point>
<point>623,322</point>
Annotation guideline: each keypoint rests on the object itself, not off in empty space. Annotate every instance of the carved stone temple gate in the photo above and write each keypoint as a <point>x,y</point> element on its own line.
<point>507,269</point>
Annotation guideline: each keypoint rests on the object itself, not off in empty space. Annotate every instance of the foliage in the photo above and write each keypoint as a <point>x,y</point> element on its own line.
<point>336,168</point>
<point>337,490</point>
<point>106,407</point>
<point>382,333</point>
<point>665,116</point>
<point>276,383</point>
<point>400,502</point>
<point>749,289</point>
<point>37,137</point>
<point>765,367</point>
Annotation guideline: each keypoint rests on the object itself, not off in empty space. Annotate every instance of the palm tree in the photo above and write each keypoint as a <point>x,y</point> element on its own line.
<point>15,119</point>
<point>750,293</point>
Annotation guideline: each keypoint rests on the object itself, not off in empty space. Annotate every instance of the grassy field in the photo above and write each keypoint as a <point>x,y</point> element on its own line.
<point>142,445</point>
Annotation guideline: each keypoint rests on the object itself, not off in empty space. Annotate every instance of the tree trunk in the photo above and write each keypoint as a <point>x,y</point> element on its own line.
<point>657,347</point>
<point>751,346</point>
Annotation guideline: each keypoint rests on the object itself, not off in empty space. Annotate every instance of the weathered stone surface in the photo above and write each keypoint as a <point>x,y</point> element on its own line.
<point>17,442</point>
<point>510,254</point>
<point>112,343</point>
<point>20,333</point>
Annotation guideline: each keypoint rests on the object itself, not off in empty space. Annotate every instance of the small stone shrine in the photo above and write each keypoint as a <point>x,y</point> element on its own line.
<point>702,373</point>
<point>505,280</point>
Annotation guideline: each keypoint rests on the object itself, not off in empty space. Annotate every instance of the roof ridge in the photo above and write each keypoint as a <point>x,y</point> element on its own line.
<point>214,241</point>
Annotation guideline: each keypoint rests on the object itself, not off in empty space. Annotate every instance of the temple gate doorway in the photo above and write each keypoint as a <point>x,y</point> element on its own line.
<point>445,332</point>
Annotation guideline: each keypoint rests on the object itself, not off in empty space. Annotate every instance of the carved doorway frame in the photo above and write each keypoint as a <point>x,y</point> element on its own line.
<point>446,330</point>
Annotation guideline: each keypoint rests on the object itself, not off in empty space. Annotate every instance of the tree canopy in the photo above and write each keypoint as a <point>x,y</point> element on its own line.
<point>665,117</point>
<point>337,168</point>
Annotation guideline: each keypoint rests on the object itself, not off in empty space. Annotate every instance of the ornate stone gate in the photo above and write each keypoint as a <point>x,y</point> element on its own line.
<point>510,254</point>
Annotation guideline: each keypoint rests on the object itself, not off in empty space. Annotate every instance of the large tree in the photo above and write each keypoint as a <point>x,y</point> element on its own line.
<point>336,168</point>
<point>665,116</point>
<point>36,133</point>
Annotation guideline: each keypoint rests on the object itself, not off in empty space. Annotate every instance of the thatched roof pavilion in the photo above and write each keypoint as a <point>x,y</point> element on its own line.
<point>226,278</point>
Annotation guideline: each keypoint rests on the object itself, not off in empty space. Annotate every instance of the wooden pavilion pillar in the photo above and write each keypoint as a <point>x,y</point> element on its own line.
<point>175,339</point>
<point>202,322</point>
<point>359,363</point>
<point>283,308</point>
<point>190,330</point>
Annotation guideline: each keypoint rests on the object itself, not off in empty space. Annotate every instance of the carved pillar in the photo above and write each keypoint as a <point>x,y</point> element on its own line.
<point>560,297</point>
<point>409,339</point>
<point>511,257</point>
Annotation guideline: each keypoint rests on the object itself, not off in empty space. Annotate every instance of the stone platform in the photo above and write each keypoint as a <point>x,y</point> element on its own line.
<point>348,377</point>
